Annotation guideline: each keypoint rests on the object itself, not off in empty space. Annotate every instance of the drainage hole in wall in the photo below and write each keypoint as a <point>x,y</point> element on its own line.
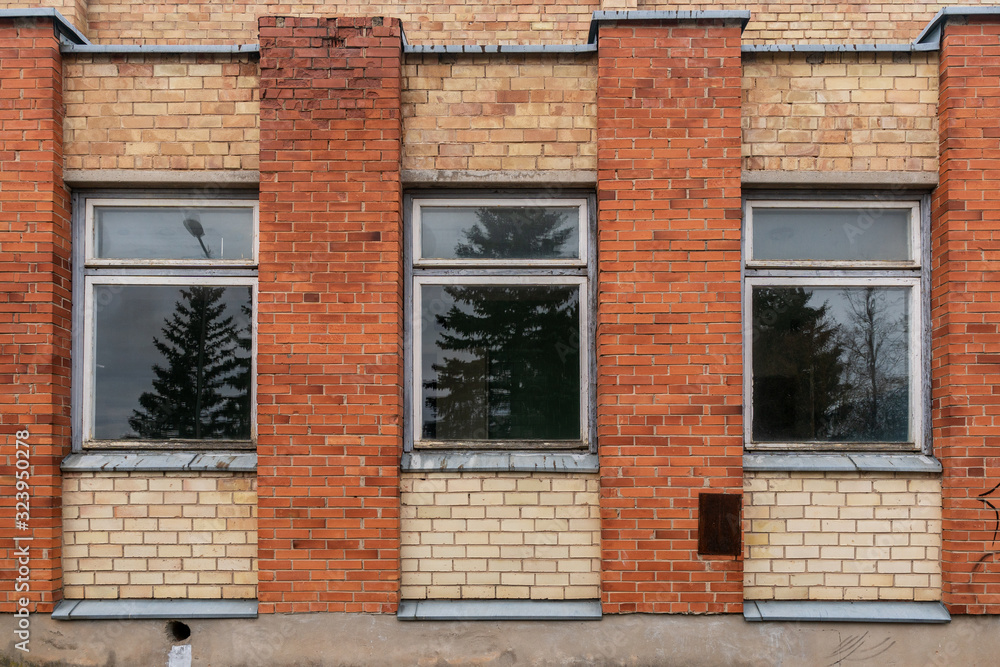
<point>179,631</point>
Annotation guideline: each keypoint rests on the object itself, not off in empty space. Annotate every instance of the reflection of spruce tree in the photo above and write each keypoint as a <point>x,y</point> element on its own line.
<point>516,372</point>
<point>522,233</point>
<point>797,369</point>
<point>202,391</point>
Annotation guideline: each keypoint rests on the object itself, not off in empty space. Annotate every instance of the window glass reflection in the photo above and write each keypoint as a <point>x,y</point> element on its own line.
<point>500,232</point>
<point>172,362</point>
<point>831,364</point>
<point>500,362</point>
<point>171,232</point>
<point>832,234</point>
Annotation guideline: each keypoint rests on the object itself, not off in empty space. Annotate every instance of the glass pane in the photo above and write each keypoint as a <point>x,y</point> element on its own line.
<point>500,362</point>
<point>831,364</point>
<point>847,234</point>
<point>170,232</point>
<point>172,361</point>
<point>500,232</point>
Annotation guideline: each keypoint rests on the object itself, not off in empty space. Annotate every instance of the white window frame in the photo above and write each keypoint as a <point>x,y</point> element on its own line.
<point>833,274</point>
<point>90,238</point>
<point>914,235</point>
<point>577,271</point>
<point>91,271</point>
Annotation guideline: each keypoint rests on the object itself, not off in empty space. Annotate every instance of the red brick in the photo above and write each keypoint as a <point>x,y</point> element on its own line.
<point>330,361</point>
<point>669,397</point>
<point>34,302</point>
<point>965,305</point>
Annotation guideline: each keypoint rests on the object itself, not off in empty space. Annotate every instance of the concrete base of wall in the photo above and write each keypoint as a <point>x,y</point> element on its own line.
<point>303,640</point>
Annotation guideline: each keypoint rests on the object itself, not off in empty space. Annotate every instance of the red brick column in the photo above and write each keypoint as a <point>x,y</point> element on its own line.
<point>965,309</point>
<point>330,315</point>
<point>34,304</point>
<point>668,337</point>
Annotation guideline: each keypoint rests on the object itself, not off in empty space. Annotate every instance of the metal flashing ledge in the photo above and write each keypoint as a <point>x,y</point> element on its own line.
<point>95,610</point>
<point>65,30</point>
<point>160,461</point>
<point>476,49</point>
<point>463,461</point>
<point>683,15</point>
<point>831,48</point>
<point>839,462</point>
<point>845,611</point>
<point>499,610</point>
<point>930,37</point>
<point>194,49</point>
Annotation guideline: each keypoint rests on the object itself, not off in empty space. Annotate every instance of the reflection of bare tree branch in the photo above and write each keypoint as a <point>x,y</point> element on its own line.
<point>875,341</point>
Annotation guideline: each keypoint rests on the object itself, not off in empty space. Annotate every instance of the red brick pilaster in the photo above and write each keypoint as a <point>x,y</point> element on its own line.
<point>966,312</point>
<point>330,314</point>
<point>668,339</point>
<point>34,304</point>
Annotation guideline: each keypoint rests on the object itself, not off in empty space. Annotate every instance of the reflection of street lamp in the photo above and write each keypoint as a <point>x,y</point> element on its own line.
<point>192,223</point>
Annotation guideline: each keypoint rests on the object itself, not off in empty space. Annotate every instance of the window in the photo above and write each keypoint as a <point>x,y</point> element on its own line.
<point>834,305</point>
<point>499,347</point>
<point>166,351</point>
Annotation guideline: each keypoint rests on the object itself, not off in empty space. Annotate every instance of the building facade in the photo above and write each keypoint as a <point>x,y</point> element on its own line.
<point>599,314</point>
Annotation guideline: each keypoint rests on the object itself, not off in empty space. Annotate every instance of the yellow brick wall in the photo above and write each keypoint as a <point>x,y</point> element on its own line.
<point>517,112</point>
<point>159,535</point>
<point>501,22</point>
<point>842,536</point>
<point>161,112</point>
<point>469,21</point>
<point>500,535</point>
<point>840,111</point>
<point>830,22</point>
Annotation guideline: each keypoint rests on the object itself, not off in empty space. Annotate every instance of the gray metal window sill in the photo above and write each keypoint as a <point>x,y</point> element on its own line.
<point>76,610</point>
<point>499,610</point>
<point>470,461</point>
<point>839,462</point>
<point>160,461</point>
<point>860,611</point>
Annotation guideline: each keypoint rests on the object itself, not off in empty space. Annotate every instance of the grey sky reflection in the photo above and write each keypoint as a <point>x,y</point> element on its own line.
<point>159,233</point>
